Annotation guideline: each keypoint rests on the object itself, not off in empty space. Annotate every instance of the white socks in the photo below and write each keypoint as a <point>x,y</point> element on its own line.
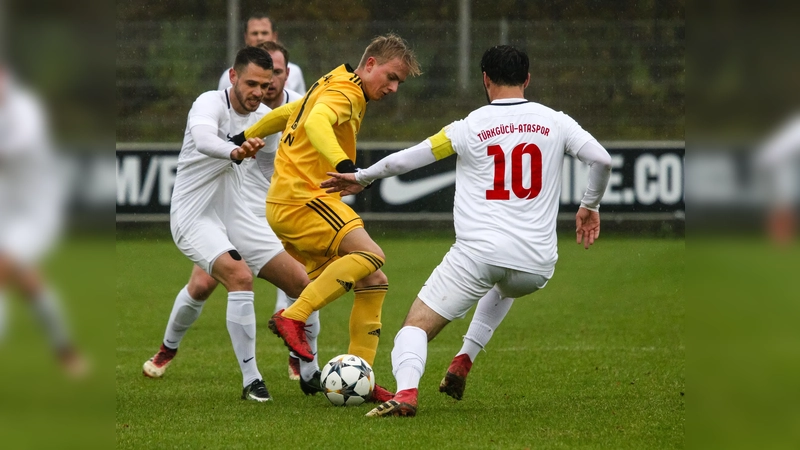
<point>307,369</point>
<point>491,310</point>
<point>47,309</point>
<point>408,357</point>
<point>282,301</point>
<point>185,311</point>
<point>241,320</point>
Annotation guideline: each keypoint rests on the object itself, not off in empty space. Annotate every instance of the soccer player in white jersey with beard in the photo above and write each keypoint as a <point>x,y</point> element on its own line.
<point>508,180</point>
<point>212,225</point>
<point>189,302</point>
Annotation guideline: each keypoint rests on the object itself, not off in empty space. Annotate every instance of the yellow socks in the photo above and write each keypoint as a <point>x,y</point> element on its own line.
<point>365,321</point>
<point>339,277</point>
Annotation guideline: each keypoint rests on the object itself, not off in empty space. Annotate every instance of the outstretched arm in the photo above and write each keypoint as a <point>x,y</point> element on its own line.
<point>426,152</point>
<point>210,144</point>
<point>273,122</point>
<point>395,164</point>
<point>587,221</point>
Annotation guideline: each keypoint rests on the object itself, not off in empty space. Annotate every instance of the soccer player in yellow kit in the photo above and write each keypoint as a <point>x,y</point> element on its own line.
<point>317,228</point>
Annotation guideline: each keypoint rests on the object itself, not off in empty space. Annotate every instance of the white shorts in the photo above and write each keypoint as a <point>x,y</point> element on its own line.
<point>459,281</point>
<point>234,228</point>
<point>28,238</point>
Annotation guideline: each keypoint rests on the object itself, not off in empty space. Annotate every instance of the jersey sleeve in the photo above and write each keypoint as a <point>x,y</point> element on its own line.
<point>296,81</point>
<point>321,135</point>
<point>574,135</point>
<point>205,120</point>
<point>344,99</point>
<point>398,163</point>
<point>206,110</point>
<point>441,145</point>
<point>224,80</point>
<point>272,122</point>
<point>457,133</point>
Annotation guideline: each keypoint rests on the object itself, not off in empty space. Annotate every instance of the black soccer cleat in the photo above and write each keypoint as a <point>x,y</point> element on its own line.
<point>256,391</point>
<point>312,386</point>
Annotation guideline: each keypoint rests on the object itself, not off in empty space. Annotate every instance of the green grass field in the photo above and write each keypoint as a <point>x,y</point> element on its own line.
<point>595,360</point>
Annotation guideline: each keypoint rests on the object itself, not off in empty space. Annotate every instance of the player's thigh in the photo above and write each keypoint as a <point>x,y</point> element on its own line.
<point>517,284</point>
<point>359,240</point>
<point>254,239</point>
<point>313,232</point>
<point>230,269</point>
<point>202,241</point>
<point>456,284</point>
<point>286,273</point>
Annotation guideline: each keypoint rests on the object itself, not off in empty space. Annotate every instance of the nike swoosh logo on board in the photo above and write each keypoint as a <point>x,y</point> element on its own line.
<point>395,191</point>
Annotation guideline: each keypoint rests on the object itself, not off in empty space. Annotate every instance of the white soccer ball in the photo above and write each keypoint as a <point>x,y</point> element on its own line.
<point>347,380</point>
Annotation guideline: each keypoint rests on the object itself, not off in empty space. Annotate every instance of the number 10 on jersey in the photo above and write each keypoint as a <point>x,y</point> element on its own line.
<point>499,191</point>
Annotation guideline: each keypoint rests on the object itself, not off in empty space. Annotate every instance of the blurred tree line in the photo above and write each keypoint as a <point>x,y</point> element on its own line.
<point>409,10</point>
<point>616,66</point>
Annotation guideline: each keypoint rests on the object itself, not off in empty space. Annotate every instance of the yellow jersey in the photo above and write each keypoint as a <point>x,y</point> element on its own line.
<point>299,166</point>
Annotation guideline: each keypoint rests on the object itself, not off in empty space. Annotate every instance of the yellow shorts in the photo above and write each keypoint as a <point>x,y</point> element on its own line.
<point>312,233</point>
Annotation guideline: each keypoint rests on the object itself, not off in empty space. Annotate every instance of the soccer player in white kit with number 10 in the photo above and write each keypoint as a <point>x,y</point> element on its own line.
<point>508,180</point>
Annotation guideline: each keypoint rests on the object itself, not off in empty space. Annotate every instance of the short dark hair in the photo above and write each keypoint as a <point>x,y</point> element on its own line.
<point>255,55</point>
<point>505,65</point>
<point>258,16</point>
<point>272,46</point>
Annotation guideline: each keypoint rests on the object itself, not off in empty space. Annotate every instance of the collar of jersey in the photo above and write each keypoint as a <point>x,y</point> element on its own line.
<point>349,68</point>
<point>509,101</point>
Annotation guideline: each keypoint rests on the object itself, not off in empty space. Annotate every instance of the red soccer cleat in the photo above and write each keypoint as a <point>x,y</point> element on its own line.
<point>455,380</point>
<point>293,334</point>
<point>157,365</point>
<point>381,394</point>
<point>403,404</point>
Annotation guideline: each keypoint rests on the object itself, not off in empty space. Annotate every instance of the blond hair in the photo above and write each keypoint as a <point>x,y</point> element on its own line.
<point>388,47</point>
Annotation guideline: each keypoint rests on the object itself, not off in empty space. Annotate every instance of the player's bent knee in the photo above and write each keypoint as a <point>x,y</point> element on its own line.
<point>239,279</point>
<point>200,290</point>
<point>375,278</point>
<point>379,253</point>
<point>296,286</point>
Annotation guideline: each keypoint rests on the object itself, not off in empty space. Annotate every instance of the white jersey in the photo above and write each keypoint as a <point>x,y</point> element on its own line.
<point>508,182</point>
<point>294,82</point>
<point>258,175</point>
<point>32,185</point>
<point>202,179</point>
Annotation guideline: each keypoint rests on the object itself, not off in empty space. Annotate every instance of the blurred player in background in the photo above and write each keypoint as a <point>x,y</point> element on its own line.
<point>212,225</point>
<point>32,202</point>
<point>508,178</point>
<point>260,28</point>
<point>318,228</point>
<point>779,162</point>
